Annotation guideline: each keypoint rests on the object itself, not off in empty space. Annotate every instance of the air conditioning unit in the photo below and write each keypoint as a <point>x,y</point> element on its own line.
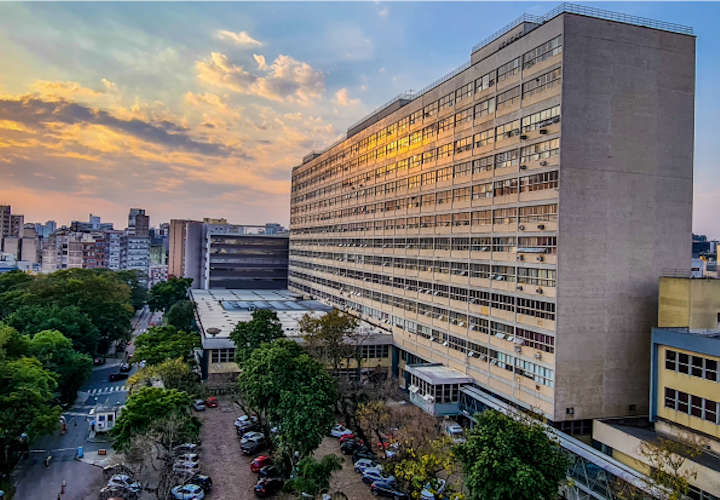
<point>543,131</point>
<point>523,167</point>
<point>445,343</point>
<point>471,354</point>
<point>521,228</point>
<point>540,258</point>
<point>538,355</point>
<point>523,137</point>
<point>520,257</point>
<point>518,348</point>
<point>543,163</point>
<point>539,290</point>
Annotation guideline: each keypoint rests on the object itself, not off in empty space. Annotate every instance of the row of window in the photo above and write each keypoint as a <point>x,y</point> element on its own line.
<point>222,355</point>
<point>514,363</point>
<point>319,171</point>
<point>521,274</point>
<point>361,185</point>
<point>697,366</point>
<point>510,244</point>
<point>441,393</point>
<point>475,296</point>
<point>692,405</point>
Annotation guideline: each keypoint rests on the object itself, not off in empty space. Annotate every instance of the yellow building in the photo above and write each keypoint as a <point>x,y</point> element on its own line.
<point>684,387</point>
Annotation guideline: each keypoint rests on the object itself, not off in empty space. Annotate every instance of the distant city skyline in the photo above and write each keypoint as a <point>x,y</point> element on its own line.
<point>134,106</point>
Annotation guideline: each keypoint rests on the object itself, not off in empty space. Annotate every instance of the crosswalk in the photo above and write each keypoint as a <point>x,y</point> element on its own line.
<point>107,390</point>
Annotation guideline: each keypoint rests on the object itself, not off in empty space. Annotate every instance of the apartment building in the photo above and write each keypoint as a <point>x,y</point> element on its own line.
<point>511,221</point>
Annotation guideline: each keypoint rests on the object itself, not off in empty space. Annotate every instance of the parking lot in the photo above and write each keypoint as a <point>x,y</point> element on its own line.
<point>229,469</point>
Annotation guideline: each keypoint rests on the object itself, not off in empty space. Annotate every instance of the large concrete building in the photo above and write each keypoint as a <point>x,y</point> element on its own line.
<point>512,220</point>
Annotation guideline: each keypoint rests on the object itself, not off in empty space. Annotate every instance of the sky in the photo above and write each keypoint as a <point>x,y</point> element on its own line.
<point>194,110</point>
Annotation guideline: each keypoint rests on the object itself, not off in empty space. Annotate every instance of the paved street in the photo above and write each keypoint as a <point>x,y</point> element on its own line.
<point>33,480</point>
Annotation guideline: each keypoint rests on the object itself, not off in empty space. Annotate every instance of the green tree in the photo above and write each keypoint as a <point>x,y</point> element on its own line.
<point>57,355</point>
<point>13,345</point>
<point>330,337</point>
<point>69,320</point>
<point>136,280</point>
<point>174,374</point>
<point>161,343</point>
<point>313,476</point>
<point>150,410</point>
<point>14,280</point>
<point>668,460</point>
<point>164,294</point>
<point>181,315</point>
<point>509,458</point>
<point>26,395</point>
<point>249,335</point>
<point>415,468</point>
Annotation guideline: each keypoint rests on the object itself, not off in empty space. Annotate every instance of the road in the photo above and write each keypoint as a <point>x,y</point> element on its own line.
<point>33,480</point>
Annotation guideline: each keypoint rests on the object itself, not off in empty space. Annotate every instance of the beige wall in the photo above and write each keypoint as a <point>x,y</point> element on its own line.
<point>689,303</point>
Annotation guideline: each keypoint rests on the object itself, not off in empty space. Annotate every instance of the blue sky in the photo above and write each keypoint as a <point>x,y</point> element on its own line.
<point>194,110</point>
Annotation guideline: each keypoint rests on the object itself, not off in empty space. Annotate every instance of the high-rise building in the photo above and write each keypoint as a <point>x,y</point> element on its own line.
<point>5,211</point>
<point>17,223</point>
<point>94,223</point>
<point>138,223</point>
<point>185,249</point>
<point>512,220</point>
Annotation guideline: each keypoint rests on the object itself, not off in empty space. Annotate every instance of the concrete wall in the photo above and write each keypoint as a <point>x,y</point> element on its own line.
<point>625,205</point>
<point>689,303</point>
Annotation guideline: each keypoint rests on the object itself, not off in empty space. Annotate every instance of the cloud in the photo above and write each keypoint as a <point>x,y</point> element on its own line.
<point>241,39</point>
<point>63,89</point>
<point>45,115</point>
<point>109,85</point>
<point>342,98</point>
<point>286,79</point>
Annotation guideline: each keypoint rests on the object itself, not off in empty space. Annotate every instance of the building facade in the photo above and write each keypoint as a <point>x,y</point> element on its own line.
<point>511,221</point>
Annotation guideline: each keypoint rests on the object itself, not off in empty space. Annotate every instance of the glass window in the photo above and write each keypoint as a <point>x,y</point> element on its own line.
<point>485,108</point>
<point>544,51</point>
<point>485,82</point>
<point>508,70</point>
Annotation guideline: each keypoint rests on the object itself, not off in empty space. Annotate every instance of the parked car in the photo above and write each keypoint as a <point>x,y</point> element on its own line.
<point>211,402</point>
<point>124,367</point>
<point>363,452</point>
<point>125,482</point>
<point>431,493</point>
<point>350,446</point>
<point>259,462</point>
<point>205,482</point>
<point>244,419</point>
<point>268,486</point>
<point>365,463</point>
<point>186,448</point>
<point>391,450</point>
<point>114,493</point>
<point>117,376</point>
<point>188,492</point>
<point>348,436</point>
<point>372,475</point>
<point>269,471</point>
<point>455,431</point>
<point>245,427</point>
<point>188,457</point>
<point>339,431</point>
<point>186,468</point>
<point>99,360</point>
<point>387,489</point>
<point>198,405</point>
<point>252,442</point>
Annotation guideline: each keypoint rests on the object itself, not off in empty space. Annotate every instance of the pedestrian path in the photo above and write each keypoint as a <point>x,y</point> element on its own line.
<point>107,390</point>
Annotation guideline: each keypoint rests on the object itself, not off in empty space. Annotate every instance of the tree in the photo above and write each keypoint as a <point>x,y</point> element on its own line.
<point>136,280</point>
<point>329,336</point>
<point>508,458</point>
<point>149,410</point>
<point>313,476</point>
<point>416,468</point>
<point>13,345</point>
<point>161,343</point>
<point>668,463</point>
<point>56,354</point>
<point>164,294</point>
<point>249,335</point>
<point>69,320</point>
<point>26,407</point>
<point>181,315</point>
<point>284,386</point>
<point>174,374</point>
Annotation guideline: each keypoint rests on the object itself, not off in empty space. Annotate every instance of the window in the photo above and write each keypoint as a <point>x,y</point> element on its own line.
<point>428,133</point>
<point>504,215</point>
<point>509,97</point>
<point>537,213</point>
<point>428,178</point>
<point>464,117</point>
<point>538,182</point>
<point>540,150</point>
<point>508,70</point>
<point>544,51</point>
<point>508,129</point>
<point>465,92</point>
<point>446,124</point>
<point>403,125</point>
<point>222,355</point>
<point>443,197</point>
<point>541,119</point>
<point>463,145</point>
<point>461,219</point>
<point>403,143</point>
<point>539,277</point>
<point>414,182</point>
<point>447,102</point>
<point>416,117</point>
<point>485,109</point>
<point>507,159</point>
<point>444,174</point>
<point>506,187</point>
<point>430,110</point>
<point>482,191</point>
<point>462,195</point>
<point>536,308</point>
<point>482,217</point>
<point>542,83</point>
<point>683,363</point>
<point>416,138</point>
<point>485,82</point>
<point>462,169</point>
<point>539,341</point>
<point>483,165</point>
<point>445,151</point>
<point>484,138</point>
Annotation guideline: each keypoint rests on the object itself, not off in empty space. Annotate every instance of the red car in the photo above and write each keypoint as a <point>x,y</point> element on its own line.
<point>211,402</point>
<point>259,462</point>
<point>345,437</point>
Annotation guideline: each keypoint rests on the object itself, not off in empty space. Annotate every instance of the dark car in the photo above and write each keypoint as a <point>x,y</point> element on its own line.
<point>269,471</point>
<point>124,367</point>
<point>363,452</point>
<point>205,482</point>
<point>253,445</point>
<point>117,376</point>
<point>387,489</point>
<point>350,446</point>
<point>268,486</point>
<point>99,360</point>
<point>246,427</point>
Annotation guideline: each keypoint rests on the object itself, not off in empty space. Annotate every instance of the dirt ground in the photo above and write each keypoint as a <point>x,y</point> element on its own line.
<point>229,469</point>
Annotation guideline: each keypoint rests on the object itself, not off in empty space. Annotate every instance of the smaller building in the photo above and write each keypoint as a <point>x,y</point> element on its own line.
<point>7,262</point>
<point>103,418</point>
<point>435,388</point>
<point>158,274</point>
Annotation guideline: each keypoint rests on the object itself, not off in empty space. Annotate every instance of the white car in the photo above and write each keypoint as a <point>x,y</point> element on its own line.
<point>187,448</point>
<point>198,405</point>
<point>125,482</point>
<point>372,475</point>
<point>251,436</point>
<point>391,450</point>
<point>366,464</point>
<point>186,468</point>
<point>427,494</point>
<point>188,492</point>
<point>339,431</point>
<point>456,433</point>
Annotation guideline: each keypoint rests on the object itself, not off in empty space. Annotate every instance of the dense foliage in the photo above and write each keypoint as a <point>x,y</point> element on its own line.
<point>166,293</point>
<point>313,476</point>
<point>181,315</point>
<point>330,336</point>
<point>173,373</point>
<point>509,458</point>
<point>162,343</point>
<point>249,335</point>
